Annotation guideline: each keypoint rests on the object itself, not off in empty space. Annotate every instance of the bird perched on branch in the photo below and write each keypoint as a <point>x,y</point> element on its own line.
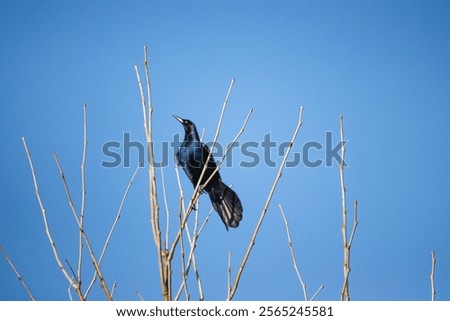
<point>192,156</point>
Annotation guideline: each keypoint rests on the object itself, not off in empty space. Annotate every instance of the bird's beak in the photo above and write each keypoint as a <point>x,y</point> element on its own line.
<point>178,118</point>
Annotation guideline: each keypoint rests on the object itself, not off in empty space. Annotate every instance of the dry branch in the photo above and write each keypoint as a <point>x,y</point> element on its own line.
<point>229,275</point>
<point>433,265</point>
<point>166,205</point>
<point>183,260</point>
<point>77,218</point>
<point>83,195</point>
<point>345,295</point>
<point>47,228</point>
<point>317,292</point>
<point>140,296</point>
<point>22,281</point>
<point>163,263</point>
<point>264,210</point>
<point>113,227</point>
<point>291,248</point>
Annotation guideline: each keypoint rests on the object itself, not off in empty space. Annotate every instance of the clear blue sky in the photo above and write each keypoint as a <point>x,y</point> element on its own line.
<point>383,65</point>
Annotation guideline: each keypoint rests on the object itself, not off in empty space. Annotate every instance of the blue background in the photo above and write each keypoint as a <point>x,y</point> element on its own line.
<point>383,65</point>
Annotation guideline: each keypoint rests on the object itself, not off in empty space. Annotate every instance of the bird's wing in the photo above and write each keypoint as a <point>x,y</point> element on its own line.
<point>205,153</point>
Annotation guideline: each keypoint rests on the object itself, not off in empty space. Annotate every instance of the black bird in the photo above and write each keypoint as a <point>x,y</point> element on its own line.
<point>192,156</point>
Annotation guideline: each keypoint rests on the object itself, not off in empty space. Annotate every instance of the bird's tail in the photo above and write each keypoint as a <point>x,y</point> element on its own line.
<point>227,203</point>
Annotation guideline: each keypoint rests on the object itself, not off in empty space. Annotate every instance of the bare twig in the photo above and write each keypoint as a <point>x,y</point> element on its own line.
<point>193,243</point>
<point>346,244</point>
<point>66,187</point>
<point>317,292</point>
<point>183,260</point>
<point>83,234</point>
<point>71,269</point>
<point>355,222</point>
<point>80,219</point>
<point>191,258</point>
<point>216,136</point>
<point>119,212</point>
<point>69,292</point>
<point>113,227</point>
<point>47,228</point>
<point>163,263</point>
<point>230,146</point>
<point>205,221</point>
<point>291,247</point>
<point>433,265</point>
<point>22,281</point>
<point>140,296</point>
<point>100,276</point>
<point>83,196</point>
<point>199,280</point>
<point>113,289</point>
<point>266,205</point>
<point>229,275</point>
<point>344,293</point>
<point>166,205</point>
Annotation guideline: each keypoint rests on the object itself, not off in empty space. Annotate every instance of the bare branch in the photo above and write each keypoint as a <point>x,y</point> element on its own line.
<point>166,205</point>
<point>71,269</point>
<point>191,258</point>
<point>433,265</point>
<point>355,222</point>
<point>80,219</point>
<point>83,234</point>
<point>183,261</point>
<point>83,195</point>
<point>266,206</point>
<point>140,296</point>
<point>346,244</point>
<point>113,289</point>
<point>47,228</point>
<point>113,227</point>
<point>230,146</point>
<point>229,275</point>
<point>291,247</point>
<point>317,292</point>
<point>69,292</point>
<point>66,187</point>
<point>22,281</point>
<point>164,265</point>
<point>119,212</point>
<point>216,136</point>
<point>344,293</point>
<point>100,276</point>
<point>151,159</point>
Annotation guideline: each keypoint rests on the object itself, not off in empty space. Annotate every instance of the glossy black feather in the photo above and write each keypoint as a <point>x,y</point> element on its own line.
<point>192,157</point>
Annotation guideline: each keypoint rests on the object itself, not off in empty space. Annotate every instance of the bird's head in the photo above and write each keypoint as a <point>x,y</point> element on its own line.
<point>187,124</point>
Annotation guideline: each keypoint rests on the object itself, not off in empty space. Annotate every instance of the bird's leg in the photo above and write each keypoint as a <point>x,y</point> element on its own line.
<point>200,191</point>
